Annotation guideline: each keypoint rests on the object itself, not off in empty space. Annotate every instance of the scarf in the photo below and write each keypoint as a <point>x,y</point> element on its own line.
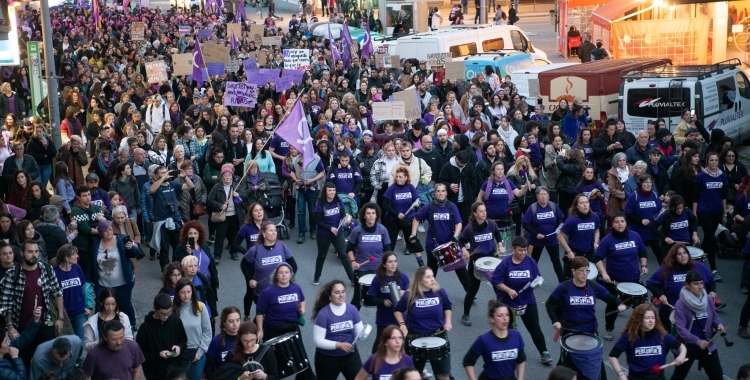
<point>503,182</point>
<point>440,203</point>
<point>696,304</point>
<point>253,178</point>
<point>583,216</point>
<point>622,174</point>
<point>715,174</point>
<point>104,162</point>
<point>588,182</point>
<point>620,235</point>
<point>643,192</point>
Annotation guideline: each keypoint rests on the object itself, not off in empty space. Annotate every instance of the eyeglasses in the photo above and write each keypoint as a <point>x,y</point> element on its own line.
<point>249,341</point>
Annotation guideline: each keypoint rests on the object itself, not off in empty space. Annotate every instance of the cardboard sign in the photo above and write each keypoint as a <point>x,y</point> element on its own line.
<point>296,59</point>
<point>213,52</point>
<point>380,60</point>
<point>215,68</point>
<point>182,64</point>
<point>256,34</point>
<point>236,28</point>
<point>260,57</point>
<point>240,94</point>
<point>137,31</point>
<point>205,33</point>
<point>232,66</point>
<point>271,41</point>
<point>388,110</point>
<point>395,61</point>
<point>184,30</point>
<point>455,70</point>
<point>412,109</point>
<point>156,72</point>
<point>438,59</point>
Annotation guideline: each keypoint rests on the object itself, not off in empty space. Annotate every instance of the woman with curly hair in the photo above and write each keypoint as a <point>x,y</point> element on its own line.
<point>646,344</point>
<point>193,238</point>
<point>172,273</point>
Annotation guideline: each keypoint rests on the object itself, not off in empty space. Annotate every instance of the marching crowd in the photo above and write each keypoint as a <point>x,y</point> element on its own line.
<point>473,186</point>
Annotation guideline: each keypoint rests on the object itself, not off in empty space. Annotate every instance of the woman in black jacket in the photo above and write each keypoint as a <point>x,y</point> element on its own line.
<point>489,156</point>
<point>248,349</point>
<point>43,150</point>
<point>226,196</point>
<point>605,148</point>
<point>571,166</point>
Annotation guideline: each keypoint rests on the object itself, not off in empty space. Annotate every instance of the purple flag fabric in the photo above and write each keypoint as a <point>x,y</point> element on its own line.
<point>219,5</point>
<point>346,46</point>
<point>241,13</point>
<point>198,64</point>
<point>334,50</point>
<point>234,42</point>
<point>367,48</point>
<point>294,130</point>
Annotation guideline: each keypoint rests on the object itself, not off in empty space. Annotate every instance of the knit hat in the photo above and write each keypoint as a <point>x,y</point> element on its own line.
<point>227,168</point>
<point>663,132</point>
<point>367,133</point>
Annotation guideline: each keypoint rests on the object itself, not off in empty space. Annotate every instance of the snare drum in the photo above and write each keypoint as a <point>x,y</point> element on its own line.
<point>448,253</point>
<point>430,348</point>
<point>583,348</point>
<point>364,283</point>
<point>632,294</point>
<point>290,354</point>
<point>484,267</point>
<point>698,254</point>
<point>593,272</point>
<point>507,234</point>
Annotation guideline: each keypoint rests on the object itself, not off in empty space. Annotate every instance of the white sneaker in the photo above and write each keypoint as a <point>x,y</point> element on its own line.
<point>421,228</point>
<point>426,375</point>
<point>399,237</point>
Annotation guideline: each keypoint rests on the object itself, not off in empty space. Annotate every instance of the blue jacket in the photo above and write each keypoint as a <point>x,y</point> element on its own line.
<point>12,369</point>
<point>147,203</point>
<point>635,154</point>
<point>571,123</point>
<point>125,256</point>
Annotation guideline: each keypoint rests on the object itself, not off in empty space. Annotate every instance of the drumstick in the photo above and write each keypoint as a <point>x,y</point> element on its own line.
<point>556,336</point>
<point>718,332</point>
<point>658,368</point>
<point>369,260</point>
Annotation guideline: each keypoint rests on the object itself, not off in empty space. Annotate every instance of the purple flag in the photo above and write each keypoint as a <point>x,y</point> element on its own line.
<point>294,130</point>
<point>367,48</point>
<point>346,46</point>
<point>241,13</point>
<point>198,64</point>
<point>234,42</point>
<point>334,50</point>
<point>219,5</point>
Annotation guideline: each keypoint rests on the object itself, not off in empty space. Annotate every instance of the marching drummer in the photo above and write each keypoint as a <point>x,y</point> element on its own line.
<point>641,207</point>
<point>501,348</point>
<point>337,327</point>
<point>582,232</point>
<point>498,193</point>
<point>540,222</point>
<point>397,203</point>
<point>678,224</point>
<point>669,279</point>
<point>281,305</point>
<point>624,251</point>
<point>572,305</point>
<point>483,238</point>
<point>425,311</point>
<point>512,281</point>
<point>329,214</point>
<point>366,245</point>
<point>380,293</point>
<point>444,226</point>
<point>646,344</point>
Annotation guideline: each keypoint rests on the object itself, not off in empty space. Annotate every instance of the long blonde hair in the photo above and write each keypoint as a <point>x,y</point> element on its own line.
<point>522,162</point>
<point>415,288</point>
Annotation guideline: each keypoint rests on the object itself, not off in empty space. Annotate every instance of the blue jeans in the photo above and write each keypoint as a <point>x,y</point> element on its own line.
<point>306,202</point>
<point>77,322</point>
<point>195,370</point>
<point>45,172</point>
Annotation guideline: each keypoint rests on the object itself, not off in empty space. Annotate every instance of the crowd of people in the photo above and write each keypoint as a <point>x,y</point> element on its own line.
<point>473,186</point>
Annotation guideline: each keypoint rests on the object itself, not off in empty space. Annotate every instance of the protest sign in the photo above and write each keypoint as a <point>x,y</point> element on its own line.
<point>236,28</point>
<point>256,34</point>
<point>240,94</point>
<point>284,83</point>
<point>215,68</point>
<point>137,31</point>
<point>412,109</point>
<point>380,59</point>
<point>455,70</point>
<point>213,52</point>
<point>260,57</point>
<point>388,110</point>
<point>185,30</point>
<point>250,65</point>
<point>232,66</point>
<point>296,59</point>
<point>438,59</point>
<point>205,33</point>
<point>295,75</point>
<point>272,41</point>
<point>156,72</point>
<point>182,64</point>
<point>263,76</point>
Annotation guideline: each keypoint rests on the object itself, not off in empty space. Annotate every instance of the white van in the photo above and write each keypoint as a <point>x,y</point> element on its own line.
<point>719,94</point>
<point>460,41</point>
<point>526,80</point>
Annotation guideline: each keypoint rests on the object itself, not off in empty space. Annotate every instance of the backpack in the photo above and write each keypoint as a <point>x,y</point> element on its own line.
<point>551,206</point>
<point>505,16</point>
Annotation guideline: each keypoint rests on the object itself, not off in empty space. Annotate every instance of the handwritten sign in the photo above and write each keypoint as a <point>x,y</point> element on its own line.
<point>284,83</point>
<point>250,65</point>
<point>240,94</point>
<point>455,70</point>
<point>438,59</point>
<point>232,66</point>
<point>271,41</point>
<point>256,34</point>
<point>263,76</point>
<point>205,33</point>
<point>388,110</point>
<point>138,31</point>
<point>296,59</point>
<point>182,64</point>
<point>395,61</point>
<point>236,28</point>
<point>213,52</point>
<point>215,68</point>
<point>259,56</point>
<point>411,106</point>
<point>156,72</point>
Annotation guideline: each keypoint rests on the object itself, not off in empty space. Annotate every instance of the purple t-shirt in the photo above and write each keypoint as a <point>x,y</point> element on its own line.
<point>250,233</point>
<point>675,280</point>
<point>103,363</point>
<point>332,214</point>
<point>71,283</point>
<point>516,276</point>
<point>645,207</point>
<point>587,190</point>
<point>338,328</point>
<point>579,305</point>
<point>344,178</point>
<point>425,315</point>
<point>369,244</point>
<point>545,222</point>
<point>500,356</point>
<point>581,232</point>
<point>711,192</point>
<point>644,353</point>
<point>497,202</point>
<point>481,241</point>
<point>265,262</point>
<point>279,146</point>
<point>386,370</point>
<point>623,264</point>
<point>401,198</point>
<point>216,352</point>
<point>384,315</point>
<point>679,225</point>
<point>280,305</point>
<point>203,262</point>
<point>443,220</point>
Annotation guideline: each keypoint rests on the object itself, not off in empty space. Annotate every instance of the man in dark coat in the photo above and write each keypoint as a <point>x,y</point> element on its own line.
<point>460,177</point>
<point>584,51</point>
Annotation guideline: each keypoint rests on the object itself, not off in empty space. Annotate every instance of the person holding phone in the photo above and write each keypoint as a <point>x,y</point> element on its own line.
<point>193,238</point>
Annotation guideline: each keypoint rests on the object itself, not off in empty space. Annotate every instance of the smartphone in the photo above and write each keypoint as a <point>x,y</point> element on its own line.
<point>174,173</point>
<point>692,113</point>
<point>191,242</point>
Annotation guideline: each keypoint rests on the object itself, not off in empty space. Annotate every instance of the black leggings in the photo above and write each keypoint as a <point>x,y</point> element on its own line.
<point>709,361</point>
<point>339,245</point>
<point>393,227</point>
<point>531,320</point>
<point>657,248</point>
<point>357,297</point>
<point>474,285</point>
<point>330,367</point>
<point>554,256</point>
<point>250,297</point>
<point>461,273</point>
<point>708,223</point>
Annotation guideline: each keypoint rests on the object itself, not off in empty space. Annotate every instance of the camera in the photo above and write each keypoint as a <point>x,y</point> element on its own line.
<point>170,208</point>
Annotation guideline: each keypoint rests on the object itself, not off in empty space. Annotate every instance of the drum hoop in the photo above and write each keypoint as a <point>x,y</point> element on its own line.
<point>642,289</point>
<point>564,345</point>
<point>478,263</point>
<point>280,338</point>
<point>366,277</point>
<point>441,246</point>
<point>428,339</point>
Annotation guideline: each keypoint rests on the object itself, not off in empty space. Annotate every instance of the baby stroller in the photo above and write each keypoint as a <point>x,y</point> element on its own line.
<point>274,206</point>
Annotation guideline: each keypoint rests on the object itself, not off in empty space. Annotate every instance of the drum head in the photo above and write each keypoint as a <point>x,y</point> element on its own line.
<point>428,342</point>
<point>671,316</point>
<point>631,288</point>
<point>593,272</point>
<point>487,263</point>
<point>581,342</point>
<point>280,338</point>
<point>441,246</point>
<point>366,280</point>
<point>695,252</point>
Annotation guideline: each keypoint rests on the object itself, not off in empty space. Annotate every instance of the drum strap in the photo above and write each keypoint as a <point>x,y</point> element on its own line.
<point>432,215</point>
<point>565,289</point>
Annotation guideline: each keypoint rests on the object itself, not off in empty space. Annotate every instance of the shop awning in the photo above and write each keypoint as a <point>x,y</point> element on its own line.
<point>614,10</point>
<point>583,3</point>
